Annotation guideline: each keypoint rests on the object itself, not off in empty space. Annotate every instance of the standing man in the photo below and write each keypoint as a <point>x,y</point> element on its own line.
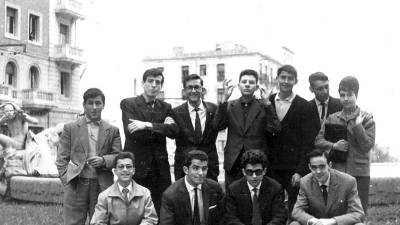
<point>193,199</point>
<point>290,146</point>
<point>125,202</point>
<point>248,121</point>
<point>194,129</point>
<point>142,118</point>
<point>323,104</point>
<point>255,199</point>
<point>327,196</point>
<point>85,156</point>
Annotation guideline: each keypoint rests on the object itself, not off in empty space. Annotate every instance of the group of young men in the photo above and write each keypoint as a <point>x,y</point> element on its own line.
<point>270,148</point>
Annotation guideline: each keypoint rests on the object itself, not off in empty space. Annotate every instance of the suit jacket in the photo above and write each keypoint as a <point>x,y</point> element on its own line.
<point>147,145</point>
<point>245,133</point>
<point>176,208</point>
<point>290,146</point>
<point>185,139</point>
<point>343,202</point>
<point>111,208</point>
<point>333,106</point>
<point>239,207</point>
<point>74,147</point>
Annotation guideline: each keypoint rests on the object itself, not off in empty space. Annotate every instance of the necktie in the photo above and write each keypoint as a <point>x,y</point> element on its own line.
<point>323,110</point>
<point>197,124</point>
<point>196,214</point>
<point>256,218</point>
<point>324,193</point>
<point>125,192</point>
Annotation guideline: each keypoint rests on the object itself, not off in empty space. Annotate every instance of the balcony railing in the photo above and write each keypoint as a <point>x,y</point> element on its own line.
<point>69,53</point>
<point>32,98</point>
<point>7,93</point>
<point>70,9</point>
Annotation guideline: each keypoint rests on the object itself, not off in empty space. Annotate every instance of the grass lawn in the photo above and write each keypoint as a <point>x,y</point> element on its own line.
<point>24,213</point>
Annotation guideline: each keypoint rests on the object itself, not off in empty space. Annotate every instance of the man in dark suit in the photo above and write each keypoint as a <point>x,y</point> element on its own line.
<point>193,199</point>
<point>142,118</point>
<point>248,121</point>
<point>290,146</point>
<point>255,199</point>
<point>323,104</point>
<point>327,196</point>
<point>85,157</point>
<point>194,129</point>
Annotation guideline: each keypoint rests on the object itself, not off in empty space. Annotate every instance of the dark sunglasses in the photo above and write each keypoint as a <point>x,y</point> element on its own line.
<point>251,172</point>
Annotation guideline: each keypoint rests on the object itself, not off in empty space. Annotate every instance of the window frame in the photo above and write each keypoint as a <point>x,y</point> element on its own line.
<point>68,35</point>
<point>17,34</point>
<point>38,40</point>
<point>203,67</point>
<point>69,84</point>
<point>15,75</point>
<point>37,78</point>
<point>218,72</point>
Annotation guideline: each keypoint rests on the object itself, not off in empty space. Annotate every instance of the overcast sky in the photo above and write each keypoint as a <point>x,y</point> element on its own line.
<point>339,38</point>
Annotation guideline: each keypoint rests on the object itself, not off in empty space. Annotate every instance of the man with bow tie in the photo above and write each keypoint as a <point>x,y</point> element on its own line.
<point>85,156</point>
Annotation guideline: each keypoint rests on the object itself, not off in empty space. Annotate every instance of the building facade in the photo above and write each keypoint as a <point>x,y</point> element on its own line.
<point>225,62</point>
<point>40,58</point>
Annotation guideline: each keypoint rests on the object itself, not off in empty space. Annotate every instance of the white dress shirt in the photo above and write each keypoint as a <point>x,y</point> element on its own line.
<point>319,106</point>
<point>282,105</point>
<point>202,115</point>
<point>190,189</point>
<point>251,189</point>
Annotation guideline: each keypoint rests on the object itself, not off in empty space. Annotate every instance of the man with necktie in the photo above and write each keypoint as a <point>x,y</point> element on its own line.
<point>85,157</point>
<point>327,196</point>
<point>193,199</point>
<point>125,202</point>
<point>255,199</point>
<point>323,104</point>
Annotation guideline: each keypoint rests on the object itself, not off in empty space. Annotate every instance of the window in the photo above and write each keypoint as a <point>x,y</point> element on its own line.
<point>12,21</point>
<point>65,84</point>
<point>203,70</point>
<point>220,72</point>
<point>34,77</point>
<point>220,93</point>
<point>34,28</point>
<point>64,34</point>
<point>185,72</point>
<point>11,74</point>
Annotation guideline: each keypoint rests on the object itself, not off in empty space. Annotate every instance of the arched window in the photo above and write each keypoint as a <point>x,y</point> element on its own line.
<point>34,77</point>
<point>11,74</point>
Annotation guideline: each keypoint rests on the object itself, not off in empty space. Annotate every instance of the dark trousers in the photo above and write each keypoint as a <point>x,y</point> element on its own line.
<point>363,191</point>
<point>284,177</point>
<point>80,198</point>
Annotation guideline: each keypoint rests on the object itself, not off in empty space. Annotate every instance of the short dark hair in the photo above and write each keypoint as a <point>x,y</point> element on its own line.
<point>153,72</point>
<point>317,76</point>
<point>252,157</point>
<point>318,152</point>
<point>248,72</point>
<point>194,154</point>
<point>93,93</point>
<point>349,83</point>
<point>192,77</point>
<point>124,155</point>
<point>288,69</point>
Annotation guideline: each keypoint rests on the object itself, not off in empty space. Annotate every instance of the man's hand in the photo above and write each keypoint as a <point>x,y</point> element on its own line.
<point>95,161</point>
<point>327,221</point>
<point>264,95</point>
<point>360,118</point>
<point>228,89</point>
<point>341,145</point>
<point>137,125</point>
<point>296,180</point>
<point>169,120</point>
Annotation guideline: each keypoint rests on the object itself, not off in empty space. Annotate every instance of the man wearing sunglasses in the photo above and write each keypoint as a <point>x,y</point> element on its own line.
<point>327,196</point>
<point>255,199</point>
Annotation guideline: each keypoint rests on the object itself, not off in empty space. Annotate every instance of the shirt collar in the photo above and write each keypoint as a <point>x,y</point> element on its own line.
<point>289,98</point>
<point>327,181</point>
<point>189,187</point>
<point>129,187</point>
<point>251,187</point>
<point>98,122</point>
<point>201,106</point>
<point>318,102</point>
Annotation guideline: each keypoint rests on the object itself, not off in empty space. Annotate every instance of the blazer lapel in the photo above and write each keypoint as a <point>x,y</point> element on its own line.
<point>185,199</point>
<point>208,122</point>
<point>103,133</point>
<point>332,192</point>
<point>315,112</point>
<point>317,190</point>
<point>254,110</point>
<point>291,109</point>
<point>262,196</point>
<point>238,114</point>
<point>187,119</point>
<point>206,200</point>
<point>84,135</point>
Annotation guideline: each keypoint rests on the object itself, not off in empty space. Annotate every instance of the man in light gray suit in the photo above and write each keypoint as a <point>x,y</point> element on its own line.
<point>327,196</point>
<point>85,157</point>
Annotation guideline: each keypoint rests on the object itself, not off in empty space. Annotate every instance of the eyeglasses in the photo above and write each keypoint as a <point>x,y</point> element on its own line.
<point>320,167</point>
<point>249,172</point>
<point>196,88</point>
<point>122,166</point>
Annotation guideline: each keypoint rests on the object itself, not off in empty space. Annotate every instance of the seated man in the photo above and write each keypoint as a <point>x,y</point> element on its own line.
<point>327,196</point>
<point>255,199</point>
<point>193,199</point>
<point>124,202</point>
